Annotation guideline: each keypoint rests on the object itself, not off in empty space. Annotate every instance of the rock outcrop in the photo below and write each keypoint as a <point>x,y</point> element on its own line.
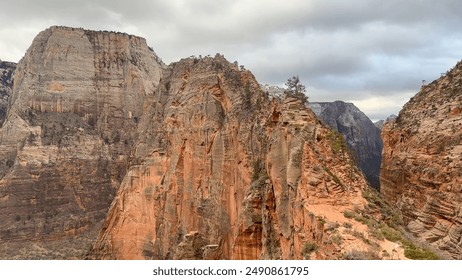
<point>360,133</point>
<point>6,86</point>
<point>222,166</point>
<point>422,164</point>
<point>65,144</point>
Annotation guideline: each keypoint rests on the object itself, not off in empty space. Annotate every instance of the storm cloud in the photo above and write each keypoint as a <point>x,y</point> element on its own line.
<point>374,53</point>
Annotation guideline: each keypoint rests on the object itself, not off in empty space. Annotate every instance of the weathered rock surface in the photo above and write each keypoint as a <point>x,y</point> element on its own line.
<point>361,135</point>
<point>6,86</point>
<point>422,163</point>
<point>226,167</point>
<point>65,144</point>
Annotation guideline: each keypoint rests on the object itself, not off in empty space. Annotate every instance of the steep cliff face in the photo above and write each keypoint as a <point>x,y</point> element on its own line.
<point>77,98</point>
<point>6,86</point>
<point>198,162</point>
<point>422,164</point>
<point>224,173</point>
<point>361,135</point>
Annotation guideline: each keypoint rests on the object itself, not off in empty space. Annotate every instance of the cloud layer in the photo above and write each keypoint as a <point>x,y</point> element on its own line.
<point>374,53</point>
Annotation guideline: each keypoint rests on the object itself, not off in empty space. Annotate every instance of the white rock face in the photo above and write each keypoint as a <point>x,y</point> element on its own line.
<point>64,145</point>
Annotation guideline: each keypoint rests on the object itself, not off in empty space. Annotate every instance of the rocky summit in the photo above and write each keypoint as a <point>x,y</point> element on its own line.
<point>360,133</point>
<point>108,153</point>
<point>422,163</point>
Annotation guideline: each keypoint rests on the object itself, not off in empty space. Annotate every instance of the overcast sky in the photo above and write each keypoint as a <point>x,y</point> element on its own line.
<point>373,53</point>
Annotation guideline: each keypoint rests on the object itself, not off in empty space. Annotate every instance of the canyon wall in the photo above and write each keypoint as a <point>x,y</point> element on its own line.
<point>65,144</point>
<point>422,165</point>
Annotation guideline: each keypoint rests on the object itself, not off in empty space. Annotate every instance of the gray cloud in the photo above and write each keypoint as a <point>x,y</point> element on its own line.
<point>367,51</point>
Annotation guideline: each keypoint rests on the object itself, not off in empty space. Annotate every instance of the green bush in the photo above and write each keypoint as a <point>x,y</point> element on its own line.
<point>309,248</point>
<point>415,253</point>
<point>349,214</point>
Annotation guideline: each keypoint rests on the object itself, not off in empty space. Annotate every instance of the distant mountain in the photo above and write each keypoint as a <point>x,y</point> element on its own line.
<point>381,123</point>
<point>273,91</point>
<point>6,86</point>
<point>361,135</point>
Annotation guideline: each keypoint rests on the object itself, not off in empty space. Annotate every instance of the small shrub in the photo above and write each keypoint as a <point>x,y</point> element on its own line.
<point>349,214</point>
<point>415,253</point>
<point>309,248</point>
<point>385,254</point>
<point>361,255</point>
<point>377,233</point>
<point>336,239</point>
<point>359,235</point>
<point>334,177</point>
<point>390,234</point>
<point>347,225</point>
<point>331,226</point>
<point>321,220</point>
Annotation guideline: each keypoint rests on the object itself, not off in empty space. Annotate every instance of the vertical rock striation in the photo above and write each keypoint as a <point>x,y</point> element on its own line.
<point>422,164</point>
<point>222,172</point>
<point>77,98</point>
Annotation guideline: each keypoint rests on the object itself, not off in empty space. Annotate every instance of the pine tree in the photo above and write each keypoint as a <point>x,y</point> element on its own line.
<point>296,89</point>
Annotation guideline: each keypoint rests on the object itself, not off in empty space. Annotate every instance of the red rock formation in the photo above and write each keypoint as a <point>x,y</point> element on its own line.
<point>220,159</point>
<point>421,167</point>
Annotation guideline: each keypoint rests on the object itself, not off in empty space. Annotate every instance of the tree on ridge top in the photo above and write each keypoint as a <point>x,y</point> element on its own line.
<point>296,89</point>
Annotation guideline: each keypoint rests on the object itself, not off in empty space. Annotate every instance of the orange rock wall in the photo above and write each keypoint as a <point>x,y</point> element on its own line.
<point>222,166</point>
<point>421,166</point>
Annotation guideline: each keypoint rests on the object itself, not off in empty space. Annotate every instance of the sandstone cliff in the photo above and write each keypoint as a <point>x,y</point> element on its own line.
<point>422,163</point>
<point>361,135</point>
<point>6,86</point>
<point>187,161</point>
<point>77,98</point>
<point>224,173</point>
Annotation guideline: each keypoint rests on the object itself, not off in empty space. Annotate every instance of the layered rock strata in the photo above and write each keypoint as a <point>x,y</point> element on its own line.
<point>65,144</point>
<point>422,164</point>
